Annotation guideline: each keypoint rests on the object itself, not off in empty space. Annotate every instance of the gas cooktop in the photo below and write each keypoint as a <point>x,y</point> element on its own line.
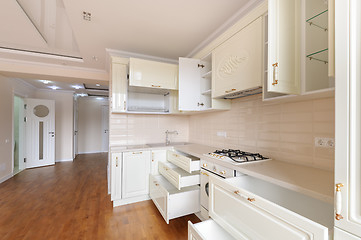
<point>236,156</point>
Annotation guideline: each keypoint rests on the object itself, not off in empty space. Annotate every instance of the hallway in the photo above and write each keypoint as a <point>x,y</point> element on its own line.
<point>70,201</point>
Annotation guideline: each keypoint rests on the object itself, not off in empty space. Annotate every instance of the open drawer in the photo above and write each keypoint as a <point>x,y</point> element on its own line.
<point>250,208</point>
<point>209,230</point>
<point>187,162</point>
<point>171,202</point>
<point>178,177</point>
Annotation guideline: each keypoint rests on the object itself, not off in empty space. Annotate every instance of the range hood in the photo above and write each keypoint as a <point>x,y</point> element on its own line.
<point>243,93</point>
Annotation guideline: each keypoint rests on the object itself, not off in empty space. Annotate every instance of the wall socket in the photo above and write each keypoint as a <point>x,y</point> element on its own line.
<point>222,134</point>
<point>325,142</point>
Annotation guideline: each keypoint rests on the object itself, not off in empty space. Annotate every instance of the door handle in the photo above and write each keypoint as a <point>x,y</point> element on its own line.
<point>275,73</point>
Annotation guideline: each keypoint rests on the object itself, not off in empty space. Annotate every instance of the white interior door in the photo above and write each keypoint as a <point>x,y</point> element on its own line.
<point>105,128</point>
<point>75,123</point>
<point>348,119</point>
<point>40,132</point>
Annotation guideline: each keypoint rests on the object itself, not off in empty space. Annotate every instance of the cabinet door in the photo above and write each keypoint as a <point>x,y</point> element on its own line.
<point>157,156</point>
<point>189,84</point>
<point>237,63</point>
<point>119,87</point>
<point>145,73</point>
<point>116,176</point>
<point>136,169</point>
<point>348,116</point>
<point>284,29</point>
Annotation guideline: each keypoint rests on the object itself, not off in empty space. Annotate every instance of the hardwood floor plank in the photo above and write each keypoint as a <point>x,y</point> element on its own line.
<point>70,201</point>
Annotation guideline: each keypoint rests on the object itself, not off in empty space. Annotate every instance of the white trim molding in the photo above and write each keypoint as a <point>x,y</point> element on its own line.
<point>64,160</point>
<point>3,179</point>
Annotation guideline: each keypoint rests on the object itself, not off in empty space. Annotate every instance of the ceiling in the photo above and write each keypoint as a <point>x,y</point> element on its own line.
<point>160,28</point>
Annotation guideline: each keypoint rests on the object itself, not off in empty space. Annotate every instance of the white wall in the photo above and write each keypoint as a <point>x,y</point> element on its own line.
<point>63,122</point>
<point>90,124</point>
<point>7,90</point>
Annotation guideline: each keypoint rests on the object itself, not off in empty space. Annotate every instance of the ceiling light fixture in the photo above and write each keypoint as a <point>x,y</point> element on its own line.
<point>45,81</point>
<point>99,98</point>
<point>98,85</point>
<point>77,86</point>
<point>82,94</point>
<point>87,16</point>
<point>54,87</point>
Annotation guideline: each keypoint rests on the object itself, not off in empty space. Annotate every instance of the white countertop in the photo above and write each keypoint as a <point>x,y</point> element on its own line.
<point>310,181</point>
<point>313,182</point>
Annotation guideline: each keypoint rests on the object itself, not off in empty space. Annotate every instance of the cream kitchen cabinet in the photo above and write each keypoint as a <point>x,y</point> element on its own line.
<point>186,162</point>
<point>250,208</point>
<point>119,85</point>
<point>171,202</point>
<point>135,173</point>
<point>237,63</point>
<point>300,46</point>
<point>195,86</point>
<point>152,74</point>
<point>348,121</point>
<point>116,176</point>
<point>157,157</point>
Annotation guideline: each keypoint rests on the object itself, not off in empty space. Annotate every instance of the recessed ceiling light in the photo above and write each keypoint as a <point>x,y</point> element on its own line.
<point>98,85</point>
<point>82,94</point>
<point>77,86</point>
<point>45,81</point>
<point>99,98</point>
<point>87,16</point>
<point>54,87</point>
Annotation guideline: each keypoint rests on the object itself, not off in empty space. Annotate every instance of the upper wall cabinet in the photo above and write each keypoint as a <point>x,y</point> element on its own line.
<point>300,46</point>
<point>151,74</point>
<point>195,85</point>
<point>238,62</point>
<point>119,85</point>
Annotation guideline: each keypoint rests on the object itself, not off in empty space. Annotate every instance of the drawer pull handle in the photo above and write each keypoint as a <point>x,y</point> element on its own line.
<point>200,65</point>
<point>157,184</point>
<point>338,202</point>
<point>204,173</point>
<point>116,162</point>
<point>231,90</point>
<point>137,152</point>
<point>222,172</point>
<point>243,196</point>
<point>275,73</point>
<point>156,85</point>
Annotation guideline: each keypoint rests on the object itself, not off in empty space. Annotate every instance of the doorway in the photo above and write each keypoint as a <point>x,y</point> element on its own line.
<point>105,128</point>
<point>19,135</point>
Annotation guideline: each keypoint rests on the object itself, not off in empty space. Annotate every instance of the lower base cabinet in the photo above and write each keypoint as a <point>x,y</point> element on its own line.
<point>249,208</point>
<point>170,201</point>
<point>207,230</point>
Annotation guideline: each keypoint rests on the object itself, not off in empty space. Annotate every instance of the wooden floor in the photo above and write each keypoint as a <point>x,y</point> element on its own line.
<point>70,201</point>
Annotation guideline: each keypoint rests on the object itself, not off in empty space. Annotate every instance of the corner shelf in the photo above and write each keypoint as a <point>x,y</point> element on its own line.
<point>207,75</point>
<point>318,20</point>
<point>321,56</point>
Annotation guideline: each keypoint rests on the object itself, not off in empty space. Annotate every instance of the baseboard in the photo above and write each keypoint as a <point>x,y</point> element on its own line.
<point>6,178</point>
<point>64,160</point>
<point>117,203</point>
<point>91,152</point>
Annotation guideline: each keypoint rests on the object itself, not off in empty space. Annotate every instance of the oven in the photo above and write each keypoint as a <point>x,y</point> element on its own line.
<point>211,169</point>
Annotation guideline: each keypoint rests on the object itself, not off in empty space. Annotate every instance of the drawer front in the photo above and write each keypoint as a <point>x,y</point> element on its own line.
<point>170,175</point>
<point>249,216</point>
<point>179,160</point>
<point>220,170</point>
<point>159,196</point>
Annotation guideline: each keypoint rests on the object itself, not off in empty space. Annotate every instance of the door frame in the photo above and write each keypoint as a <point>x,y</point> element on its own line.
<point>23,97</point>
<point>105,116</point>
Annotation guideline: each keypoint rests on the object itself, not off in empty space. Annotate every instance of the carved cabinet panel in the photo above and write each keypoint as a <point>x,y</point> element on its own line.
<point>238,61</point>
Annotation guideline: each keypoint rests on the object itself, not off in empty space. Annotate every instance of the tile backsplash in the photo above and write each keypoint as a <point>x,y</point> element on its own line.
<point>282,131</point>
<point>134,129</point>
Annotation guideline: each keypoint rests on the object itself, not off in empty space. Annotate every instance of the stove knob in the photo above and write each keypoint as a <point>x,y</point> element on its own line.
<point>204,164</point>
<point>222,172</point>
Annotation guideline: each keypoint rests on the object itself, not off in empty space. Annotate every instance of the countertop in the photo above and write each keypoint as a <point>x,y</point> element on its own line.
<point>310,181</point>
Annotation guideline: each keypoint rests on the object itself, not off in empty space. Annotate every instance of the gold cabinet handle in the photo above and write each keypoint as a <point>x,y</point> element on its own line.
<point>156,85</point>
<point>228,91</point>
<point>338,202</point>
<point>204,174</point>
<point>204,164</point>
<point>275,73</point>
<point>200,65</point>
<point>116,161</point>
<point>137,152</point>
<point>222,172</point>
<point>247,198</point>
<point>125,105</point>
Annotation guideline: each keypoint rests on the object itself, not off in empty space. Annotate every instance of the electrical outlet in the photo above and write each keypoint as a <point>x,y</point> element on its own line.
<point>325,142</point>
<point>222,134</point>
